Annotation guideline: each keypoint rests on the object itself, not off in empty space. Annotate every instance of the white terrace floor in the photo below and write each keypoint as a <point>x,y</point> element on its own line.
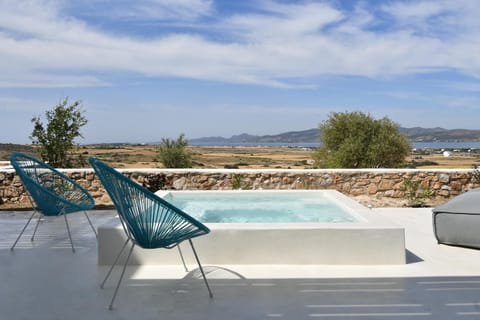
<point>45,280</point>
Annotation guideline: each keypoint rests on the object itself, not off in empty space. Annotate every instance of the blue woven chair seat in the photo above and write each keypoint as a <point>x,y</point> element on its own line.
<point>149,221</point>
<point>52,192</point>
<point>152,222</point>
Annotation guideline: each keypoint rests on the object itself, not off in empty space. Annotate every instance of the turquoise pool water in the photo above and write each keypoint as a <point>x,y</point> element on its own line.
<point>260,207</point>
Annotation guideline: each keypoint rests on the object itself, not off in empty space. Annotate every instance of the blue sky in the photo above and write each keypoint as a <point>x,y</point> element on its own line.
<point>148,69</point>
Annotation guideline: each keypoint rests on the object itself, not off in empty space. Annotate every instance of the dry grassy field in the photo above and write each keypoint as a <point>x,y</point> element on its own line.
<point>144,156</point>
<point>206,157</point>
<point>456,160</point>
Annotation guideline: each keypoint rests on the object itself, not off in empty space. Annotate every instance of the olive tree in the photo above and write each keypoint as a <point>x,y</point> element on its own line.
<point>172,153</point>
<point>55,140</point>
<point>356,140</point>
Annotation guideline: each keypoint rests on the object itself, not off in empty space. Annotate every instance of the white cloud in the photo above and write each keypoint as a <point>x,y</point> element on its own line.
<point>41,46</point>
<point>283,21</point>
<point>441,18</point>
<point>24,106</point>
<point>465,102</point>
<point>184,9</point>
<point>420,10</point>
<point>51,81</point>
<point>465,86</point>
<point>143,10</point>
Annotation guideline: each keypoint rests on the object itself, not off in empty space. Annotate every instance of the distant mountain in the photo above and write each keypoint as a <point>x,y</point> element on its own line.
<point>416,134</point>
<point>310,135</point>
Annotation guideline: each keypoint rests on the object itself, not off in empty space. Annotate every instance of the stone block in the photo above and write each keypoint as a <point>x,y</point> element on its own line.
<point>346,187</point>
<point>437,185</point>
<point>179,184</point>
<point>456,185</point>
<point>372,188</point>
<point>286,180</point>
<point>376,179</point>
<point>444,178</point>
<point>386,185</point>
<point>362,183</point>
<point>357,192</point>
<point>444,193</point>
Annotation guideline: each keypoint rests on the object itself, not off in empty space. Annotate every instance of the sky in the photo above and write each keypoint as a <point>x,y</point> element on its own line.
<point>149,69</point>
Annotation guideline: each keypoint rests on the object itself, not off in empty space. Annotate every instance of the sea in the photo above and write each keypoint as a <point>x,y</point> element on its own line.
<point>417,145</point>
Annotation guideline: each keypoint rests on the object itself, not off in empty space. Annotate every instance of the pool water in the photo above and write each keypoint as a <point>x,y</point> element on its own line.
<point>260,207</point>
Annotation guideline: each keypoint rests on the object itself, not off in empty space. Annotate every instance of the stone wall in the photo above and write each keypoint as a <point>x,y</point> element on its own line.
<point>373,186</point>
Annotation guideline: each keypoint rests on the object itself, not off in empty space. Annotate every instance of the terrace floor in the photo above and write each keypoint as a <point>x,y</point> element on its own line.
<point>45,280</point>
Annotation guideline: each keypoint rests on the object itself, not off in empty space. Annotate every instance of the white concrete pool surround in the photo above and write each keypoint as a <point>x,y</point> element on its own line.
<point>370,241</point>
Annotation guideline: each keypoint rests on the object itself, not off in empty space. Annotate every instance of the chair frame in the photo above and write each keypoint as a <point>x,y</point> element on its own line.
<point>102,170</point>
<point>38,194</point>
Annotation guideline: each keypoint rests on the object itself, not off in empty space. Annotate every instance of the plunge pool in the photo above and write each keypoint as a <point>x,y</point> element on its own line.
<point>263,207</point>
<point>272,227</point>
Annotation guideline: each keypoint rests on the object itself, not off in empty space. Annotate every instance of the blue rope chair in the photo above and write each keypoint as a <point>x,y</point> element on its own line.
<point>54,193</point>
<point>148,220</point>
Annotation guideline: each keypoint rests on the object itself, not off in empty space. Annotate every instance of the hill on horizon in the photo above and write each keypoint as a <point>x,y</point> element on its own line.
<point>415,134</point>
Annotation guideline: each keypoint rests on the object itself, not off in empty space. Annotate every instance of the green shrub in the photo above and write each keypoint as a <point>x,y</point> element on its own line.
<point>173,153</point>
<point>415,193</point>
<point>356,140</point>
<point>55,139</point>
<point>476,174</point>
<point>236,181</point>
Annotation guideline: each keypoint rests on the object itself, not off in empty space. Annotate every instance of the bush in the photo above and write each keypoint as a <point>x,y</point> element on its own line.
<point>356,140</point>
<point>415,164</point>
<point>416,193</point>
<point>173,153</point>
<point>475,174</point>
<point>236,181</point>
<point>55,141</point>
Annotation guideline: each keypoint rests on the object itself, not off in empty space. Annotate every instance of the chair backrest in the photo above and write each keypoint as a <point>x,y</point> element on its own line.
<point>148,219</point>
<point>53,192</point>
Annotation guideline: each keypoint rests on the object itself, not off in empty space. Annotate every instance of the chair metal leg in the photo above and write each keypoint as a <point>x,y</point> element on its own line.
<point>36,228</point>
<point>30,199</point>
<point>91,224</point>
<point>110,307</point>
<point>23,230</point>
<point>181,256</point>
<point>68,230</point>
<point>114,264</point>
<point>201,269</point>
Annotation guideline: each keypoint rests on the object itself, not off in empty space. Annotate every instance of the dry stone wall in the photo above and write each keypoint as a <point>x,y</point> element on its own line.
<point>379,185</point>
